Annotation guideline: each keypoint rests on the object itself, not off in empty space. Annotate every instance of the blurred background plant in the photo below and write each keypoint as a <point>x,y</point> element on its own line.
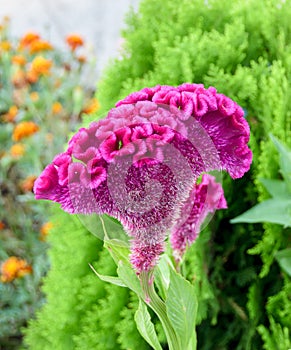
<point>43,95</point>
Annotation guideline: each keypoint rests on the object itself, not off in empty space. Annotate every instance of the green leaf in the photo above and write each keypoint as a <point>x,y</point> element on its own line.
<point>111,279</point>
<point>162,275</point>
<point>284,260</point>
<point>181,305</point>
<point>285,160</point>
<point>145,326</point>
<point>129,278</point>
<point>119,250</point>
<point>274,210</point>
<point>276,188</point>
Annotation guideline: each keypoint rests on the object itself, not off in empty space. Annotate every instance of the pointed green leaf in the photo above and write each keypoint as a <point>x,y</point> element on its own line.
<point>145,326</point>
<point>119,250</point>
<point>111,279</point>
<point>275,210</point>
<point>129,278</point>
<point>276,188</point>
<point>284,260</point>
<point>285,160</point>
<point>162,275</point>
<point>181,305</point>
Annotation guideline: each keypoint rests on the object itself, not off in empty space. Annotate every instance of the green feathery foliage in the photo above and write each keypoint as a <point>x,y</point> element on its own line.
<point>243,48</point>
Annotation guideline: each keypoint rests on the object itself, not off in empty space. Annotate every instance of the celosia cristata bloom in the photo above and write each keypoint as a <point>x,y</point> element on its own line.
<point>13,268</point>
<point>24,129</point>
<point>74,41</point>
<point>41,65</point>
<point>141,163</point>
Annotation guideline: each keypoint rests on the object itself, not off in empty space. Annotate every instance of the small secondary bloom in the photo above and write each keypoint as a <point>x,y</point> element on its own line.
<point>11,114</point>
<point>28,39</point>
<point>92,107</point>
<point>41,65</point>
<point>40,46</point>
<point>17,150</point>
<point>34,96</point>
<point>27,184</point>
<point>45,229</point>
<point>57,108</point>
<point>18,59</point>
<point>74,41</point>
<point>13,268</point>
<point>24,129</point>
<point>205,198</point>
<point>5,46</point>
<point>2,225</point>
<point>142,161</point>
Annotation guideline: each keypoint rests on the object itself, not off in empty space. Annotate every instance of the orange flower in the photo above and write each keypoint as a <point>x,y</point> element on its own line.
<point>57,107</point>
<point>11,114</point>
<point>18,59</point>
<point>24,129</point>
<point>2,225</point>
<point>40,45</point>
<point>74,41</point>
<point>28,39</point>
<point>31,76</point>
<point>18,78</point>
<point>82,59</point>
<point>45,229</point>
<point>34,96</point>
<point>27,184</point>
<point>41,66</point>
<point>13,268</point>
<point>92,107</point>
<point>5,46</point>
<point>17,150</point>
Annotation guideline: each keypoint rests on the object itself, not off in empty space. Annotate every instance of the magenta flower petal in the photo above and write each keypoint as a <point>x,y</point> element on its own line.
<point>205,198</point>
<point>220,117</point>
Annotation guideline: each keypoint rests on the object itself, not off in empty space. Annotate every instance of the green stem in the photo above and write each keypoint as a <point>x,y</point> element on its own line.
<point>159,307</point>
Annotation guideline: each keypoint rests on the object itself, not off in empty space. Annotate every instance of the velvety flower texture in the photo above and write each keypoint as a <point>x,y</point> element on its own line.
<point>205,198</point>
<point>141,162</point>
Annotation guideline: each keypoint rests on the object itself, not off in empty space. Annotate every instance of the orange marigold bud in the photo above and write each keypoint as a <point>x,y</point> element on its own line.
<point>17,150</point>
<point>24,129</point>
<point>34,96</point>
<point>28,38</point>
<point>18,59</point>
<point>74,41</point>
<point>92,107</point>
<point>40,45</point>
<point>13,268</point>
<point>41,65</point>
<point>11,114</point>
<point>18,78</point>
<point>27,184</point>
<point>31,76</point>
<point>57,107</point>
<point>45,229</point>
<point>5,46</point>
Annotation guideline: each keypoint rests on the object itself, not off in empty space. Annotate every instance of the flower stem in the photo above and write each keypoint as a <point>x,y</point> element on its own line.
<point>158,306</point>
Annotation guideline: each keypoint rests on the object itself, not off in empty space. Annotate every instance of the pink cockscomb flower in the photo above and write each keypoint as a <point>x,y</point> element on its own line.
<point>142,161</point>
<point>205,198</point>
